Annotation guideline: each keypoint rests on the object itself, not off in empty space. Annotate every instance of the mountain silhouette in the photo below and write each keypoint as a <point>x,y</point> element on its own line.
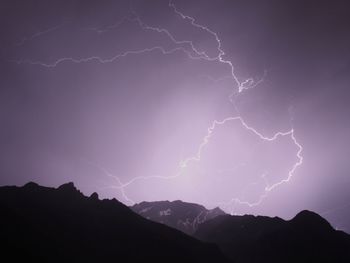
<point>306,238</point>
<point>42,224</point>
<point>183,216</point>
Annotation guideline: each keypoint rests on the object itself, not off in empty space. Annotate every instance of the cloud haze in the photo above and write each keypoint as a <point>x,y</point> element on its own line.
<point>102,92</point>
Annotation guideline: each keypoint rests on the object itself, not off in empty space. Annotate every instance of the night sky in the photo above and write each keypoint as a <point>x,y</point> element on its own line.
<point>242,104</point>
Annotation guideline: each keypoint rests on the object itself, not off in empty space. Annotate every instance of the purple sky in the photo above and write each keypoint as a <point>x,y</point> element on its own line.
<point>118,96</point>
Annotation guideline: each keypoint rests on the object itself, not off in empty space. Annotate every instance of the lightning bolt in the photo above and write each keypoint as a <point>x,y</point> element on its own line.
<point>40,33</point>
<point>101,60</point>
<point>109,28</point>
<point>189,48</point>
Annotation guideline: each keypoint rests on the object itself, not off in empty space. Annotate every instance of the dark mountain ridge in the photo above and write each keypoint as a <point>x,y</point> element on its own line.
<point>44,224</point>
<point>306,238</point>
<point>183,216</point>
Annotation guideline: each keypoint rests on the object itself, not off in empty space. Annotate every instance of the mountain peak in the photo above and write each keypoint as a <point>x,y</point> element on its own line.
<point>307,215</point>
<point>35,216</point>
<point>306,238</point>
<point>94,196</point>
<point>217,210</point>
<point>68,187</point>
<point>178,214</point>
<point>311,219</point>
<point>31,185</point>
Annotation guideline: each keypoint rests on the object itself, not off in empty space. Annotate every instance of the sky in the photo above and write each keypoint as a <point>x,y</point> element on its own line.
<point>230,103</point>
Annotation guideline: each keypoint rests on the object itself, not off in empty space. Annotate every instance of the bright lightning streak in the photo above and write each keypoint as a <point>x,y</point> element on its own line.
<point>121,185</point>
<point>108,28</point>
<point>39,34</point>
<point>192,53</point>
<point>101,60</point>
<point>246,84</point>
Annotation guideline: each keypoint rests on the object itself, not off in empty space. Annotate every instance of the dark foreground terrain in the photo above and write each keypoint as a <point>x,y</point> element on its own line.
<point>306,238</point>
<point>41,224</point>
<point>186,217</point>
